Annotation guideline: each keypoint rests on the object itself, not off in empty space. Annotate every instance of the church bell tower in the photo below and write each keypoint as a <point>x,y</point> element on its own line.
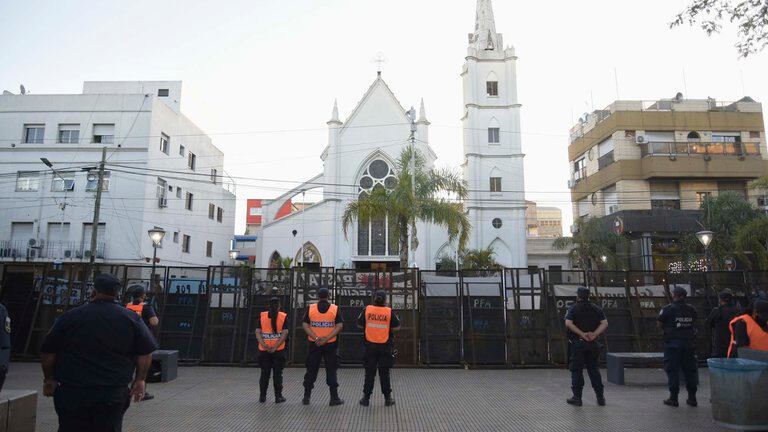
<point>493,158</point>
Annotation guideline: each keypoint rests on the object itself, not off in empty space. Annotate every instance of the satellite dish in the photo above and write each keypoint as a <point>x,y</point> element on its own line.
<point>22,89</point>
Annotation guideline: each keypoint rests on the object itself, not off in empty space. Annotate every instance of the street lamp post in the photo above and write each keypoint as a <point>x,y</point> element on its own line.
<point>705,237</point>
<point>156,235</point>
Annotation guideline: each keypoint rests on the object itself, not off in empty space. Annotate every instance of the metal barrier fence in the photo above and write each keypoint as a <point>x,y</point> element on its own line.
<point>485,318</point>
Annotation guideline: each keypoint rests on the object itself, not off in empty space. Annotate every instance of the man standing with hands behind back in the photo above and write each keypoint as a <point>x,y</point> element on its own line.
<point>321,324</point>
<point>585,323</point>
<point>89,358</point>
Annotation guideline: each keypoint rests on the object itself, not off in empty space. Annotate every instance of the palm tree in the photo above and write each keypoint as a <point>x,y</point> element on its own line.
<point>479,259</point>
<point>753,237</point>
<point>593,246</point>
<point>403,208</point>
<point>286,262</point>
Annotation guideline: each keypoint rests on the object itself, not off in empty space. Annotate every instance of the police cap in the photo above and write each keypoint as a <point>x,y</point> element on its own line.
<point>323,293</point>
<point>726,295</point>
<point>582,292</point>
<point>106,284</point>
<point>679,292</point>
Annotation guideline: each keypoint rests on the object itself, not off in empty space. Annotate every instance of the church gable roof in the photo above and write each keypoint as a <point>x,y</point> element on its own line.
<point>378,87</point>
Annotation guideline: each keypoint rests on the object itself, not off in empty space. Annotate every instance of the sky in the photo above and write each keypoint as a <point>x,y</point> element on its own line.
<point>260,77</point>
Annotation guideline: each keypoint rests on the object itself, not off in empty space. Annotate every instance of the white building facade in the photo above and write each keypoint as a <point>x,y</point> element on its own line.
<point>361,154</point>
<point>162,171</point>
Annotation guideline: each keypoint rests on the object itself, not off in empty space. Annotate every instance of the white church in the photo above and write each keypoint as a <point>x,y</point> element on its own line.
<point>492,168</point>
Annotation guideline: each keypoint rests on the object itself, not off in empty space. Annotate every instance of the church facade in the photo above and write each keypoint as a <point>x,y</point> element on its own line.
<point>361,154</point>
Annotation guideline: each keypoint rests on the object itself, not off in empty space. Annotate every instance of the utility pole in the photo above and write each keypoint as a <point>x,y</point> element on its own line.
<point>96,211</point>
<point>412,168</point>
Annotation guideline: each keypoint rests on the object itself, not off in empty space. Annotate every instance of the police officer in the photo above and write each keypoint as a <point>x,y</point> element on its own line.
<point>678,321</point>
<point>322,323</point>
<point>750,330</point>
<point>5,344</point>
<point>90,357</point>
<point>271,332</point>
<point>379,322</point>
<point>585,323</point>
<point>719,321</point>
<point>148,316</point>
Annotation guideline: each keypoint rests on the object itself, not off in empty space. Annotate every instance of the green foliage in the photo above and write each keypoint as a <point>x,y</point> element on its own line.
<point>591,242</point>
<point>479,259</point>
<point>430,203</point>
<point>286,262</point>
<point>725,215</point>
<point>445,263</point>
<point>750,17</point>
<point>753,237</point>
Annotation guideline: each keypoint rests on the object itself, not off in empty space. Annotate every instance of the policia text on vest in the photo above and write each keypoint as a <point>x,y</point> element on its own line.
<point>379,322</point>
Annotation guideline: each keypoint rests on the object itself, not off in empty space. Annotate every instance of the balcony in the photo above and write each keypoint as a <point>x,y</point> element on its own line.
<point>25,250</point>
<point>605,160</point>
<point>706,150</point>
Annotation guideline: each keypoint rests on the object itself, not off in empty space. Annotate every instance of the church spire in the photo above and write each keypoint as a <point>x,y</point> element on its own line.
<point>335,114</point>
<point>485,37</point>
<point>423,113</point>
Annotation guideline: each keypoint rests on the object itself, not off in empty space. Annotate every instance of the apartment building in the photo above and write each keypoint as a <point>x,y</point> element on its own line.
<point>543,222</point>
<point>645,167</point>
<point>162,171</point>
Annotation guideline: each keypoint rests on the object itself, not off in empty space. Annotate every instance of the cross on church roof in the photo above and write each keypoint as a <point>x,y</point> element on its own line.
<point>379,60</point>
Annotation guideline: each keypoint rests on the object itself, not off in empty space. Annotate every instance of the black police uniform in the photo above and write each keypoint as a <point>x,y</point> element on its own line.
<point>584,354</point>
<point>5,344</point>
<point>378,357</point>
<point>96,346</point>
<point>328,353</point>
<point>678,320</point>
<point>272,364</point>
<point>719,321</point>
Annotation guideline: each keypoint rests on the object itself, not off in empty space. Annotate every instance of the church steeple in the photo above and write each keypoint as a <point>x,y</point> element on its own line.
<point>485,36</point>
<point>335,114</point>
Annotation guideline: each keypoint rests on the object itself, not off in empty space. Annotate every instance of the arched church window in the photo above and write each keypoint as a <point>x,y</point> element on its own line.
<point>496,222</point>
<point>378,236</point>
<point>492,85</point>
<point>694,136</point>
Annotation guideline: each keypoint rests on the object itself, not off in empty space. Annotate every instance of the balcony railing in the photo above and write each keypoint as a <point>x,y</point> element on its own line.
<point>27,250</point>
<point>605,160</point>
<point>700,149</point>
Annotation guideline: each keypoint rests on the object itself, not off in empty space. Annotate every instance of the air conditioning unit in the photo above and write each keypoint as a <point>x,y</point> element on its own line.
<point>640,139</point>
<point>162,202</point>
<point>571,184</point>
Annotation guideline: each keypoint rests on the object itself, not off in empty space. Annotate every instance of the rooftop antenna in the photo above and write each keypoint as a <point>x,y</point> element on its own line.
<point>685,82</point>
<point>22,89</point>
<point>379,60</point>
<point>616,81</point>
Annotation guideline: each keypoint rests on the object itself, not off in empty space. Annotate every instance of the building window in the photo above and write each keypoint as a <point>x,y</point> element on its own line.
<point>255,211</point>
<point>175,236</point>
<point>701,196</point>
<point>34,134</point>
<point>214,175</point>
<point>694,136</point>
<point>579,169</point>
<point>610,200</point>
<point>165,143</point>
<point>188,201</point>
<point>93,181</point>
<point>104,133</point>
<point>27,181</point>
<point>178,192</point>
<point>493,135</point>
<point>492,88</point>
<point>219,214</point>
<point>162,92</point>
<point>495,184</point>
<point>209,249</point>
<point>583,207</point>
<point>211,210</point>
<point>185,243</point>
<point>665,196</point>
<point>69,134</point>
<point>182,150</point>
<point>754,134</point>
<point>496,222</point>
<point>191,161</point>
<point>63,182</point>
<point>373,236</point>
<point>162,185</point>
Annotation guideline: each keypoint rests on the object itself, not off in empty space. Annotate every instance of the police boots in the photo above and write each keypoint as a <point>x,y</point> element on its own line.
<point>335,400</point>
<point>389,400</point>
<point>307,396</point>
<point>365,401</point>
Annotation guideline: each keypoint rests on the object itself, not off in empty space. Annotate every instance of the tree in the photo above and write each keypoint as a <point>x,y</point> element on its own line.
<point>445,264</point>
<point>591,242</point>
<point>750,16</point>
<point>753,237</point>
<point>403,208</point>
<point>479,259</point>
<point>725,215</point>
<point>286,262</point>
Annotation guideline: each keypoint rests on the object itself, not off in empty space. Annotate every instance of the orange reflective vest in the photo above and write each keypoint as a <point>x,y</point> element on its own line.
<point>377,324</point>
<point>758,338</point>
<point>322,323</point>
<point>138,308</point>
<point>270,335</point>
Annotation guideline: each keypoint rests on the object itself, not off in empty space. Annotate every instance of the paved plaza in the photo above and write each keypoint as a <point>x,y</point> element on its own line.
<point>225,399</point>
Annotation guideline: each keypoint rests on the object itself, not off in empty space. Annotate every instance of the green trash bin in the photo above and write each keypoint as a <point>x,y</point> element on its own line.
<point>739,389</point>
